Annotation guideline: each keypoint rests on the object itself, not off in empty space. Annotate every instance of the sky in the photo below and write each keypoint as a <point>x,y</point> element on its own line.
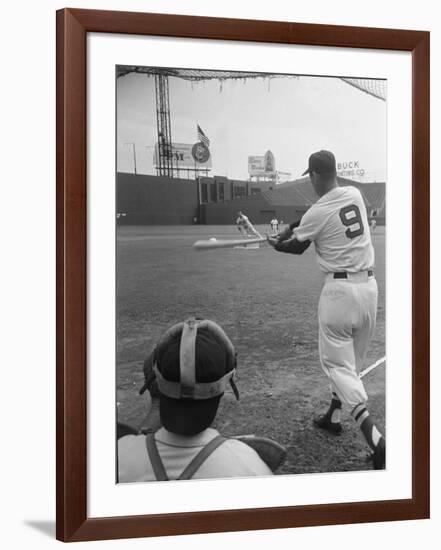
<point>292,117</point>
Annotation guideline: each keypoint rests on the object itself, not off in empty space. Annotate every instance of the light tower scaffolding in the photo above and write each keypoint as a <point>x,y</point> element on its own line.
<point>165,151</point>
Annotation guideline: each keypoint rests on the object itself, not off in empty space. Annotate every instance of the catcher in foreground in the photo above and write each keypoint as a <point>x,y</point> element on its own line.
<point>193,363</point>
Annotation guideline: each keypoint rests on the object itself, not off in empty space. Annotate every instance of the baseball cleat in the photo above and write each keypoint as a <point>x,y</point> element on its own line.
<point>379,455</point>
<point>325,423</point>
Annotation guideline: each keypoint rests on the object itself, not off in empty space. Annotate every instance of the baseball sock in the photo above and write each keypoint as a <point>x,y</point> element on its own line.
<point>366,424</point>
<point>334,411</point>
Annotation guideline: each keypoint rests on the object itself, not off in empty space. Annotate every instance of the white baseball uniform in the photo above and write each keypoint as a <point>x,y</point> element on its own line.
<point>338,225</point>
<point>274,225</point>
<point>246,227</point>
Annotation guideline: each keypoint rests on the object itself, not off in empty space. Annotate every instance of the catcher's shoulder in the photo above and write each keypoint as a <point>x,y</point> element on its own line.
<point>244,455</point>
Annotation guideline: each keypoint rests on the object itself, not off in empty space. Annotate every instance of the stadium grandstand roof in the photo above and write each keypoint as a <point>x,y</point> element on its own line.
<point>195,74</point>
<point>301,192</point>
<point>291,193</point>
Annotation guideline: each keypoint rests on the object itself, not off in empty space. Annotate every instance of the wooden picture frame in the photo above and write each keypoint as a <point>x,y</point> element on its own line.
<point>71,507</point>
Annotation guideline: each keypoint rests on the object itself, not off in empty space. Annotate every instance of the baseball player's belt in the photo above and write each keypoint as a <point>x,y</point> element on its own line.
<point>344,275</point>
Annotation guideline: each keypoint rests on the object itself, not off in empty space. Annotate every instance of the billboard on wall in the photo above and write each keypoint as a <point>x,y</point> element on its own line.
<point>262,165</point>
<point>256,166</point>
<point>184,158</point>
<point>350,169</point>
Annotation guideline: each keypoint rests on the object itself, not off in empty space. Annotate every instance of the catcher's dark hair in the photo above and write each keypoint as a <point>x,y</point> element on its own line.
<point>187,417</point>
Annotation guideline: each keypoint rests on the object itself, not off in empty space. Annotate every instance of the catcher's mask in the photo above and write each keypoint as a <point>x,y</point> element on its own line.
<point>194,360</point>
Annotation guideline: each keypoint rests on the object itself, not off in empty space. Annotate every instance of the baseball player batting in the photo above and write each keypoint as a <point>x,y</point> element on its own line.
<point>338,225</point>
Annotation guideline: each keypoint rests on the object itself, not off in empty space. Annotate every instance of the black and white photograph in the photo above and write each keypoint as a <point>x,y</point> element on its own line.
<point>250,273</point>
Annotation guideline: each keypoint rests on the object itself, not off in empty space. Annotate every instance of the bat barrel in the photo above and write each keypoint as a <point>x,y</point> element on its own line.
<point>224,243</point>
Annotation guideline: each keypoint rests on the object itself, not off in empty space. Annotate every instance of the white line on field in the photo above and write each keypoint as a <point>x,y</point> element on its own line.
<point>372,367</point>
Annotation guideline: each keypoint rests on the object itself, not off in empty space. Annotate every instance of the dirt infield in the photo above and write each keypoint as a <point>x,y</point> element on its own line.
<point>267,304</point>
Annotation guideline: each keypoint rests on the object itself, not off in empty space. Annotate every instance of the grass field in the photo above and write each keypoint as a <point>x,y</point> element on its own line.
<point>267,304</point>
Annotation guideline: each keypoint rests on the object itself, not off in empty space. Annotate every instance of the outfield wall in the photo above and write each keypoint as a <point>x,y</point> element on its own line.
<point>155,200</point>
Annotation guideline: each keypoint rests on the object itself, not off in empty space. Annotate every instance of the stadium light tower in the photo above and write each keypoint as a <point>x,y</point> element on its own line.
<point>165,150</point>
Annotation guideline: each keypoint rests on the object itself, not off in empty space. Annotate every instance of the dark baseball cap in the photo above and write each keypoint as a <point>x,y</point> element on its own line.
<point>187,415</point>
<point>322,162</point>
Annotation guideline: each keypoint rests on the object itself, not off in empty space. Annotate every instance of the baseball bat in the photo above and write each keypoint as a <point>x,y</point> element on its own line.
<point>367,370</point>
<point>225,243</point>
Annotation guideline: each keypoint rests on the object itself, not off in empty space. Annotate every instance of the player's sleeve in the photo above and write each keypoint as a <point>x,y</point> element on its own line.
<point>310,225</point>
<point>292,246</point>
<point>286,241</point>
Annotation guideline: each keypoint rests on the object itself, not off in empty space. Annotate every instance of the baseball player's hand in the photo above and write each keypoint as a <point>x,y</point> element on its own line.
<point>272,240</point>
<point>284,235</point>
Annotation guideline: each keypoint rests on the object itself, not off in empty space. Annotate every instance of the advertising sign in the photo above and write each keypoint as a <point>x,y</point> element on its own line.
<point>256,166</point>
<point>183,157</point>
<point>263,165</point>
<point>350,169</point>
<point>200,153</point>
<point>270,163</point>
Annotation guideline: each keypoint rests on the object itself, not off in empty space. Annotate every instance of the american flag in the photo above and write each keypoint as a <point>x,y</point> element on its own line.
<point>202,137</point>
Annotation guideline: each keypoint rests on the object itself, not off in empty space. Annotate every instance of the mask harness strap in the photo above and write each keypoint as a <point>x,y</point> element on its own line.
<point>187,358</point>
